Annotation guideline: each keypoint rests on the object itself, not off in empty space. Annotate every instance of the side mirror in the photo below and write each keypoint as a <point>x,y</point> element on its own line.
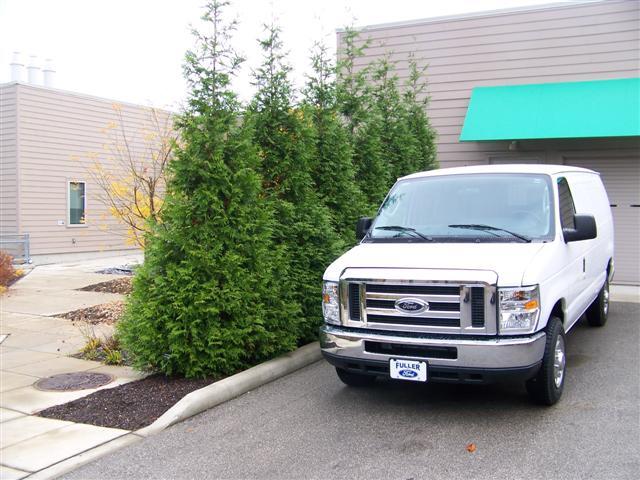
<point>586,229</point>
<point>362,227</point>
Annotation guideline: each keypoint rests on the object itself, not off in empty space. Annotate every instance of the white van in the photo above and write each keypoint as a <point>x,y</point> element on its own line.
<point>472,274</point>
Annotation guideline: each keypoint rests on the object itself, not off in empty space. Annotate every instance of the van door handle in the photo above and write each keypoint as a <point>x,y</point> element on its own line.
<point>636,205</point>
<point>584,265</point>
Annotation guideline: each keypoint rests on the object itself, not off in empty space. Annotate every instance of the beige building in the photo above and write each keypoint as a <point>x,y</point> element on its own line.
<point>551,84</point>
<point>49,142</point>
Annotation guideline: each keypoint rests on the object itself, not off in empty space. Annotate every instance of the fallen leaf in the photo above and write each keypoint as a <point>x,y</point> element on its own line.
<point>471,447</point>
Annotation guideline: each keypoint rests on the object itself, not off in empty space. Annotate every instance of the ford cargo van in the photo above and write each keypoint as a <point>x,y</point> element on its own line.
<point>472,274</point>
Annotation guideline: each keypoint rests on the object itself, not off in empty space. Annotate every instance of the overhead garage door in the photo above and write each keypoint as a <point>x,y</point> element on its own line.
<point>621,178</point>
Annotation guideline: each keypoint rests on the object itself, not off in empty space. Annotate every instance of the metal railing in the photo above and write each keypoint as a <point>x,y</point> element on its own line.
<point>17,246</point>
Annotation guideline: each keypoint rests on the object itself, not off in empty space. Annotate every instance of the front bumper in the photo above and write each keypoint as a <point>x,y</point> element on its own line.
<point>450,359</point>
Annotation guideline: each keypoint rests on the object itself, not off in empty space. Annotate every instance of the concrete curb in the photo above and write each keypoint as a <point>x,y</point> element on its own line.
<point>234,386</point>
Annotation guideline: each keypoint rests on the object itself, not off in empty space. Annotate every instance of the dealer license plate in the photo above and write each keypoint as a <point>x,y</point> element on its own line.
<point>411,370</point>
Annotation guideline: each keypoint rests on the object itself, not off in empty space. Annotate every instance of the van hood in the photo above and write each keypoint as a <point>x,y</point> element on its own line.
<point>508,260</point>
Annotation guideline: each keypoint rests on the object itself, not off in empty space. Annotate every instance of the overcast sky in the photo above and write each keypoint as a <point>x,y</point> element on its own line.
<point>132,50</point>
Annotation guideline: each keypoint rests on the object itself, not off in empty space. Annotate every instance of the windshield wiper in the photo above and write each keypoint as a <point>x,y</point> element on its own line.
<point>489,228</point>
<point>399,228</point>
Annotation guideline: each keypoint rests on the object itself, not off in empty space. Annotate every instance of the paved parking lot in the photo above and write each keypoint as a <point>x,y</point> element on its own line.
<point>308,425</point>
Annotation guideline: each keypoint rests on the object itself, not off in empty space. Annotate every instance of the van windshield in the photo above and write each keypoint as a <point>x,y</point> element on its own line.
<point>507,207</point>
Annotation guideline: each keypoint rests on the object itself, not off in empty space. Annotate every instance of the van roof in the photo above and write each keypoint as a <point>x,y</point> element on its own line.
<point>507,168</point>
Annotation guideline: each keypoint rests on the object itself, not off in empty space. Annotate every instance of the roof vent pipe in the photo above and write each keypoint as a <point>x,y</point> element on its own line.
<point>49,73</point>
<point>33,71</point>
<point>17,68</point>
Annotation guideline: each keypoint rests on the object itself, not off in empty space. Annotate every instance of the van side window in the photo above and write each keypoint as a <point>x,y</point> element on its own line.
<point>567,208</point>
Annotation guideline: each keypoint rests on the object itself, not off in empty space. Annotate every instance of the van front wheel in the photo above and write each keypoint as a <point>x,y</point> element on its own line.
<point>598,311</point>
<point>546,387</point>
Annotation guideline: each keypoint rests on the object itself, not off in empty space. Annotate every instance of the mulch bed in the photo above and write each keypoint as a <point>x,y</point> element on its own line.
<point>119,285</point>
<point>108,313</point>
<point>130,406</point>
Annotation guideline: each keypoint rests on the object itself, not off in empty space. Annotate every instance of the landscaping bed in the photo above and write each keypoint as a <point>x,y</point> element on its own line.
<point>118,285</point>
<point>108,313</point>
<point>130,406</point>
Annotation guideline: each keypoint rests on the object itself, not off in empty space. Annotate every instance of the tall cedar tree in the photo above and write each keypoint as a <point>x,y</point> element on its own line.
<point>415,102</point>
<point>285,139</point>
<point>208,299</point>
<point>334,173</point>
<point>399,145</point>
<point>363,121</point>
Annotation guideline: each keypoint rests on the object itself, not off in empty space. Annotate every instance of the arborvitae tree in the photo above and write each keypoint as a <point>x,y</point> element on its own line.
<point>333,170</point>
<point>352,88</point>
<point>398,143</point>
<point>415,102</point>
<point>364,123</point>
<point>208,299</point>
<point>285,139</point>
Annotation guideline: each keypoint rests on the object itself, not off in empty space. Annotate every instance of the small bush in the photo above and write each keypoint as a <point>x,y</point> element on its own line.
<point>113,357</point>
<point>7,272</point>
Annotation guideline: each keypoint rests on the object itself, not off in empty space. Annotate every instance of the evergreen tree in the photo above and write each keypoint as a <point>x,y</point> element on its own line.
<point>333,171</point>
<point>398,144</point>
<point>363,121</point>
<point>285,139</point>
<point>415,102</point>
<point>208,299</point>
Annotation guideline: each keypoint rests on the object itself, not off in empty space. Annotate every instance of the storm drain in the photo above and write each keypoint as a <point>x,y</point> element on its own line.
<point>67,382</point>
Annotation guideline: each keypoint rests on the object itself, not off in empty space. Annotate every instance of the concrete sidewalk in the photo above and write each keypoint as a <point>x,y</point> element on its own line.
<point>36,345</point>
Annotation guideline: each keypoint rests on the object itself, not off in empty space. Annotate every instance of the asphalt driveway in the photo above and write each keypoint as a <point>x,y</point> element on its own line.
<point>308,425</point>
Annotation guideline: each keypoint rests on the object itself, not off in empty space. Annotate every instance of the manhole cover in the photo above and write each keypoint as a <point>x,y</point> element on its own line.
<point>73,381</point>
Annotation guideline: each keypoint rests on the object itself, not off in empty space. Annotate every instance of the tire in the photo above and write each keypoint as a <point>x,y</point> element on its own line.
<point>546,387</point>
<point>598,311</point>
<point>355,379</point>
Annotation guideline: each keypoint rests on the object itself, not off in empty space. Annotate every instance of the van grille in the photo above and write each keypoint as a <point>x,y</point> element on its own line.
<point>477,307</point>
<point>354,301</point>
<point>448,308</point>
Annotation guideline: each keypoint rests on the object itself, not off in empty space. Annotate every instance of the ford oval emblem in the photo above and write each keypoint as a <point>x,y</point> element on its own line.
<point>411,305</point>
<point>408,373</point>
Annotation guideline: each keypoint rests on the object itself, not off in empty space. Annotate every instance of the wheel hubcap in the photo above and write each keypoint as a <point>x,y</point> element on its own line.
<point>559,362</point>
<point>605,299</point>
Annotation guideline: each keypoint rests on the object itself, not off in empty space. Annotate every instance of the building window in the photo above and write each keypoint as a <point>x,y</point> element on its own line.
<point>77,203</point>
<point>567,208</point>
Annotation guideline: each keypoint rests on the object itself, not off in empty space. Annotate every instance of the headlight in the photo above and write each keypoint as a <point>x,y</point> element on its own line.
<point>330,304</point>
<point>519,309</point>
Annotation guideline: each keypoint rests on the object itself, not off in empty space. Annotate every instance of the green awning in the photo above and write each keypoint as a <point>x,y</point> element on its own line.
<point>601,108</point>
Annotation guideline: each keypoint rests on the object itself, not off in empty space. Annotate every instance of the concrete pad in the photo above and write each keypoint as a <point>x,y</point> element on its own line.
<point>30,400</point>
<point>54,302</point>
<point>7,473</point>
<point>26,427</point>
<point>77,461</point>
<point>61,347</point>
<point>625,293</point>
<point>6,415</point>
<point>37,323</point>
<point>55,366</point>
<point>10,380</point>
<point>26,339</point>
<point>10,358</point>
<point>44,450</point>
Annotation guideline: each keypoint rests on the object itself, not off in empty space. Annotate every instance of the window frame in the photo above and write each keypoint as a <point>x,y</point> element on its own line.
<point>84,205</point>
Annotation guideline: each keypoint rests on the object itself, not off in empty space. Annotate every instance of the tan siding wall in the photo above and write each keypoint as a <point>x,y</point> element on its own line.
<point>59,133</point>
<point>8,160</point>
<point>588,41</point>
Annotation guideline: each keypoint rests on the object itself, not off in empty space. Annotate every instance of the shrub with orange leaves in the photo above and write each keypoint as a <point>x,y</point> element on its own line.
<point>7,272</point>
